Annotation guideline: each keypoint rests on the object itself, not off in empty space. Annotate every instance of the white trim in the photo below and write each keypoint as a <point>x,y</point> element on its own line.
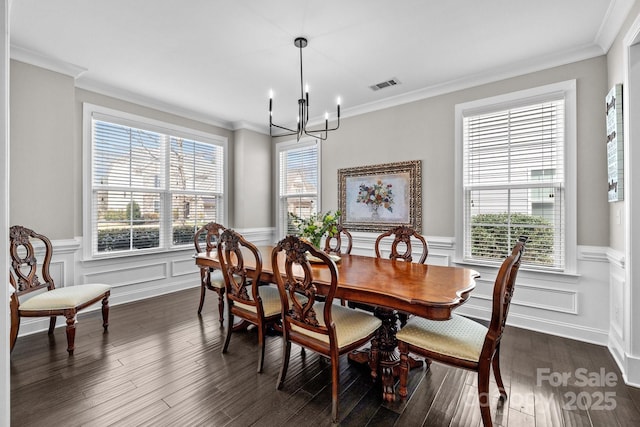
<point>630,346</point>
<point>540,324</point>
<point>568,88</point>
<point>612,22</point>
<point>144,101</point>
<point>5,293</point>
<point>27,56</point>
<point>616,258</point>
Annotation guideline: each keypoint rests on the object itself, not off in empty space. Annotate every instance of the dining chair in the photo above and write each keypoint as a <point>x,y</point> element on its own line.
<point>324,327</point>
<point>28,275</point>
<point>401,250</point>
<point>210,278</point>
<point>333,244</point>
<point>246,298</point>
<point>401,236</point>
<point>463,342</point>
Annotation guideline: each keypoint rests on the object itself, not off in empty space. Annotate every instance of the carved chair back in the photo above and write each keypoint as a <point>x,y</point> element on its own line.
<point>402,238</point>
<point>26,274</point>
<point>238,279</point>
<point>208,235</point>
<point>334,244</point>
<point>502,293</point>
<point>298,291</point>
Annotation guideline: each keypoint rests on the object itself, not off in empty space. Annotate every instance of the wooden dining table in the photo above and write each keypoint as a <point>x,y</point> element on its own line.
<point>429,291</point>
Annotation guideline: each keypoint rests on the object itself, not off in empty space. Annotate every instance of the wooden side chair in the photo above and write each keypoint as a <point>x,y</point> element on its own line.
<point>463,342</point>
<point>402,238</point>
<point>246,299</point>
<point>402,250</point>
<point>207,238</point>
<point>334,244</point>
<point>323,327</point>
<point>27,275</point>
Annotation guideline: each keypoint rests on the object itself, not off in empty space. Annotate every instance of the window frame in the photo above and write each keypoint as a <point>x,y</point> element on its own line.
<point>91,111</point>
<point>567,89</point>
<point>286,146</point>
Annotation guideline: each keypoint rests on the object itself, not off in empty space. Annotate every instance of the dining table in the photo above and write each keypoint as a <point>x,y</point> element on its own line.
<point>426,290</point>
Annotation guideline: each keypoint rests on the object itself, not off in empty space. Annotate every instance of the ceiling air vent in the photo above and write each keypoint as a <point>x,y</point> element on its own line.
<point>387,83</point>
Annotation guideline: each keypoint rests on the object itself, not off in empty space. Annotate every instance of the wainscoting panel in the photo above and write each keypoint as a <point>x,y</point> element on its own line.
<point>575,306</point>
<point>181,267</point>
<point>125,276</point>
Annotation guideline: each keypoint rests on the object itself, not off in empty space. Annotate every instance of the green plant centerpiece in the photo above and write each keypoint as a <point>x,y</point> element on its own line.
<point>316,226</point>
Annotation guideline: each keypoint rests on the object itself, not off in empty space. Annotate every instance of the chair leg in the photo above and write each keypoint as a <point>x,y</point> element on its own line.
<point>335,386</point>
<point>203,287</point>
<point>52,324</point>
<point>261,333</point>
<point>483,393</point>
<point>105,312</point>
<point>404,368</point>
<point>15,326</point>
<point>221,306</point>
<point>286,351</point>
<point>229,330</point>
<point>496,373</point>
<point>71,331</point>
<point>403,319</point>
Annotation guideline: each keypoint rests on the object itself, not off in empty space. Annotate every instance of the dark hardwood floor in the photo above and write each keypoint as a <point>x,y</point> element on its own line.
<point>161,365</point>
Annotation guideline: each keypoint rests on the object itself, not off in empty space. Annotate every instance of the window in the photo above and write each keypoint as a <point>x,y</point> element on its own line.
<point>298,181</point>
<point>515,166</point>
<point>150,184</point>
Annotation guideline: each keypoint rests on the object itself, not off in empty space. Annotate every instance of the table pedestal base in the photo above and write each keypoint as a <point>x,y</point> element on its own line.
<point>383,357</point>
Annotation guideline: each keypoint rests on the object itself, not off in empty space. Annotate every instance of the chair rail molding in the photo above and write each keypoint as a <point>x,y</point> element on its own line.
<point>565,305</point>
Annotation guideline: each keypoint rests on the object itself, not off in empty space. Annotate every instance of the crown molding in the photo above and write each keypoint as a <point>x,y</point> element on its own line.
<point>22,54</point>
<point>497,74</point>
<point>135,98</point>
<point>250,126</point>
<point>612,23</point>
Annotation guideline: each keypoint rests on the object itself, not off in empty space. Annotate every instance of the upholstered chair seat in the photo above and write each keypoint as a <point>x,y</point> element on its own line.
<point>64,298</point>
<point>459,337</point>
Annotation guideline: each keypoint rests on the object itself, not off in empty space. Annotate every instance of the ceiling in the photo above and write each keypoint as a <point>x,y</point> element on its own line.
<point>216,61</point>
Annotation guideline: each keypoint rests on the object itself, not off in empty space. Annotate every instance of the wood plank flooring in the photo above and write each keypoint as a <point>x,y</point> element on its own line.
<point>161,365</point>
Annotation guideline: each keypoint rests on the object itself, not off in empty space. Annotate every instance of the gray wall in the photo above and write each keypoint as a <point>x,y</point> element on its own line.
<point>421,130</point>
<point>46,148</point>
<point>253,180</point>
<point>43,151</point>
<point>424,130</point>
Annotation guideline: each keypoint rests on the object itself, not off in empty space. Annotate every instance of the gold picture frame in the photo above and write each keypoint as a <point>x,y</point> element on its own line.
<point>380,197</point>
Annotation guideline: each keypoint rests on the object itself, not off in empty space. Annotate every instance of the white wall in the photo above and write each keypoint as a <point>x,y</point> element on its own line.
<point>623,65</point>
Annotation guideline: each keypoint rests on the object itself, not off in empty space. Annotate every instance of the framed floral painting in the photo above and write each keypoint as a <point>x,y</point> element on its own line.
<point>378,197</point>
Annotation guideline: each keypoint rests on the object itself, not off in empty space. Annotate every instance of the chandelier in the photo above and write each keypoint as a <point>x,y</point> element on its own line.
<point>303,110</point>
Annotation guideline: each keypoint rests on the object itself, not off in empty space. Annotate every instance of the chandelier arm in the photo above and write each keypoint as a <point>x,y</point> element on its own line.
<point>313,135</point>
<point>291,131</point>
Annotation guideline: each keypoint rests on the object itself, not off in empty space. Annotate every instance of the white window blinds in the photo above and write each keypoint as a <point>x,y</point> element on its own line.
<point>514,183</point>
<point>298,177</point>
<point>150,189</point>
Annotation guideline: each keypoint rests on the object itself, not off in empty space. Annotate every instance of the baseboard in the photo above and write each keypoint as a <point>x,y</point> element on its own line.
<point>565,330</point>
